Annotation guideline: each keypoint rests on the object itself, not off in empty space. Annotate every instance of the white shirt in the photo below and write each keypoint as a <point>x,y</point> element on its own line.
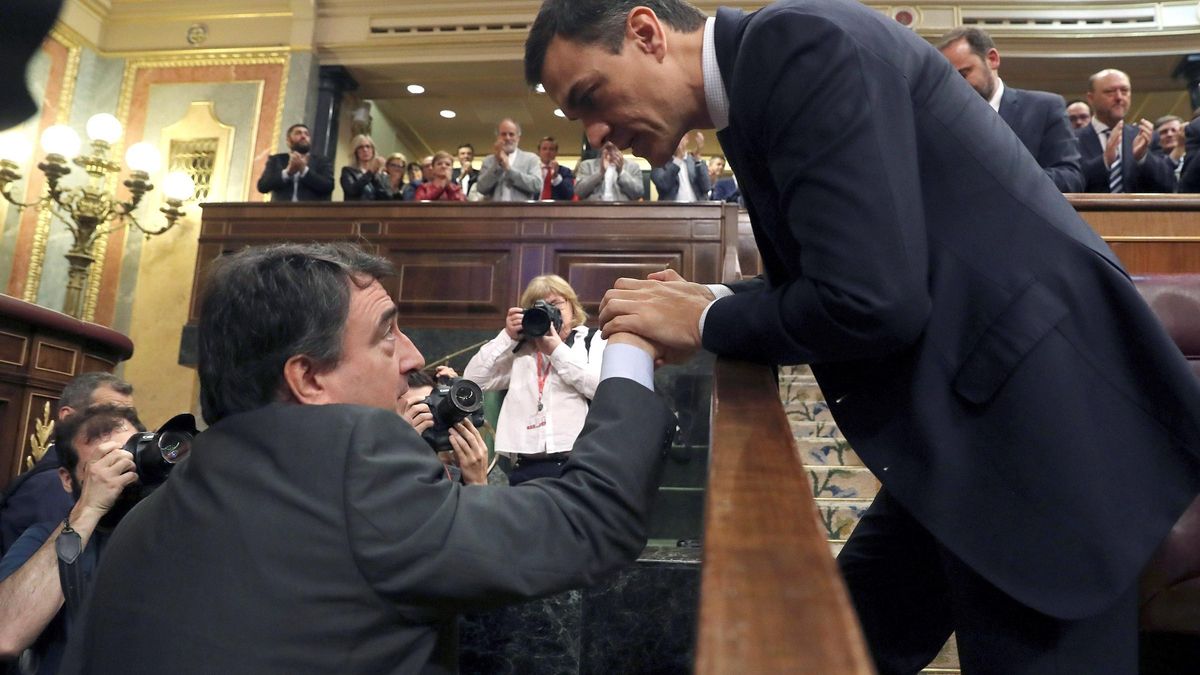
<point>610,193</point>
<point>571,376</point>
<point>686,192</point>
<point>997,95</point>
<point>717,100</point>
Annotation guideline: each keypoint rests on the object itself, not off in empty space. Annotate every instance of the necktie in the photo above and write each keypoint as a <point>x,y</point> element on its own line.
<point>1115,183</point>
<point>546,183</point>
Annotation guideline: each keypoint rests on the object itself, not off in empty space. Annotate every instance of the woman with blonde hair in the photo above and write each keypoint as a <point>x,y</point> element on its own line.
<point>364,179</point>
<point>440,187</point>
<point>550,377</point>
<point>395,168</point>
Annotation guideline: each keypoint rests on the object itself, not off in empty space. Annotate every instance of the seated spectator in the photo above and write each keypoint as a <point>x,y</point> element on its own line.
<point>558,182</point>
<point>439,186</point>
<point>609,177</point>
<point>94,471</point>
<point>36,496</point>
<point>310,529</point>
<point>1171,143</point>
<point>415,177</point>
<point>727,190</point>
<point>298,175</point>
<point>1079,114</point>
<point>550,379</point>
<point>466,462</point>
<point>364,179</point>
<point>395,168</point>
<point>684,179</point>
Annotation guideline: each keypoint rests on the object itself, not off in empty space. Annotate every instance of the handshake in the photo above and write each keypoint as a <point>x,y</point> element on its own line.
<point>660,314</point>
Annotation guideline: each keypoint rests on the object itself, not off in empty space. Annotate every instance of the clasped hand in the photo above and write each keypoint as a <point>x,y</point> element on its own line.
<point>663,309</point>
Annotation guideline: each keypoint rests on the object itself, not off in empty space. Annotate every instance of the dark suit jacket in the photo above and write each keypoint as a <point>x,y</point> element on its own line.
<point>1039,119</point>
<point>726,190</point>
<point>315,186</point>
<point>1152,175</point>
<point>326,539</point>
<point>358,185</point>
<point>457,174</point>
<point>565,190</point>
<point>666,179</point>
<point>1189,179</point>
<point>978,344</point>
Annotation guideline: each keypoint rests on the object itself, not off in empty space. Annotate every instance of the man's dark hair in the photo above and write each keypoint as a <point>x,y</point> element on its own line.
<point>295,126</point>
<point>466,145</point>
<point>93,422</point>
<point>977,39</point>
<point>264,305</point>
<point>602,22</point>
<point>78,392</point>
<point>420,378</point>
<point>1079,100</point>
<point>551,140</point>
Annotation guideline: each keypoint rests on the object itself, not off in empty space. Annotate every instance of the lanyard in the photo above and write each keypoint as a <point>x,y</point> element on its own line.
<point>541,378</point>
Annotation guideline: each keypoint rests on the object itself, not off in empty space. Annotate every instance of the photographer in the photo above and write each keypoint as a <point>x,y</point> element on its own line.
<point>550,378</point>
<point>467,459</point>
<point>95,470</point>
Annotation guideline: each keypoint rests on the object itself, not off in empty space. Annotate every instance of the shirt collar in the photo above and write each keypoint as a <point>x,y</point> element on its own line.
<point>714,84</point>
<point>997,95</point>
<point>1100,127</point>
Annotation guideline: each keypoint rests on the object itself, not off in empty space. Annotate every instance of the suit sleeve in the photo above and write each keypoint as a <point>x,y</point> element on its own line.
<point>491,367</point>
<point>701,180</point>
<point>1059,151</point>
<point>1189,179</point>
<point>272,175</point>
<point>489,177</point>
<point>629,180</point>
<point>587,178</point>
<point>1091,164</point>
<point>835,123</point>
<point>565,190</point>
<point>434,546</point>
<point>1155,174</point>
<point>319,179</point>
<point>666,179</point>
<point>525,175</point>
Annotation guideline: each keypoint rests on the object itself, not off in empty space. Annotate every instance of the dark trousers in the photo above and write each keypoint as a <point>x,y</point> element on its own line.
<point>528,468</point>
<point>911,593</point>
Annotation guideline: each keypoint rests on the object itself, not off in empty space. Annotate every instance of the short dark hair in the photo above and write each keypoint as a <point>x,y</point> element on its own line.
<point>264,305</point>
<point>466,145</point>
<point>551,140</point>
<point>977,39</point>
<point>420,378</point>
<point>78,392</point>
<point>295,126</point>
<point>93,421</point>
<point>1079,100</point>
<point>589,22</point>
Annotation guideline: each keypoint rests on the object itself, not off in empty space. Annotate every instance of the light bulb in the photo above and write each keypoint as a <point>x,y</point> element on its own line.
<point>416,89</point>
<point>104,127</point>
<point>61,139</point>
<point>179,185</point>
<point>15,147</point>
<point>143,157</point>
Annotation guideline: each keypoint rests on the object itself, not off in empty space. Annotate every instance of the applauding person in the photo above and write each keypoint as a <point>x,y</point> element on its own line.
<point>439,187</point>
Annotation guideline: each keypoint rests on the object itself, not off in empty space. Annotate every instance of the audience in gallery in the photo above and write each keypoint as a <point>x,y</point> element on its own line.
<point>396,170</point>
<point>1079,114</point>
<point>298,175</point>
<point>685,178</point>
<point>1116,155</point>
<point>439,186</point>
<point>466,175</point>
<point>558,182</point>
<point>365,179</point>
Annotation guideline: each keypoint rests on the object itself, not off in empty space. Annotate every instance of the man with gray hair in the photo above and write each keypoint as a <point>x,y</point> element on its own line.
<point>510,174</point>
<point>1116,156</point>
<point>1171,145</point>
<point>1038,118</point>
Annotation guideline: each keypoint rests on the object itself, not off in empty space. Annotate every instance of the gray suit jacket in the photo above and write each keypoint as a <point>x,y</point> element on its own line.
<point>524,175</point>
<point>326,539</point>
<point>589,181</point>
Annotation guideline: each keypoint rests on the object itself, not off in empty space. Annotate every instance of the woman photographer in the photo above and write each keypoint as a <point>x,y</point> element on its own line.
<point>550,379</point>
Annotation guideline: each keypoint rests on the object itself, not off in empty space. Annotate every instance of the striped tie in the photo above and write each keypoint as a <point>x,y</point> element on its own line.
<point>1115,185</point>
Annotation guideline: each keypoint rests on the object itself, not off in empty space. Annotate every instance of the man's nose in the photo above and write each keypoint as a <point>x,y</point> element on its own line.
<point>410,357</point>
<point>597,133</point>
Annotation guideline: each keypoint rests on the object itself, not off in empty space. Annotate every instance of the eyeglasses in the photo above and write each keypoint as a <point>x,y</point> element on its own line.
<point>1079,118</point>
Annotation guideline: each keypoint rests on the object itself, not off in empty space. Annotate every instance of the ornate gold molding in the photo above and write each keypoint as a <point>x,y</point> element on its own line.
<point>41,234</point>
<point>209,58</point>
<point>39,440</point>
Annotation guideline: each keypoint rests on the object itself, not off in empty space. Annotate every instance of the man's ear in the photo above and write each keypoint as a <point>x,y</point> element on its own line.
<point>303,381</point>
<point>993,59</point>
<point>644,30</point>
<point>65,477</point>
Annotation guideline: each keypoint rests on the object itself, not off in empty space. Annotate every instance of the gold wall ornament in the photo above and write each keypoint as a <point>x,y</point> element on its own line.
<point>39,440</point>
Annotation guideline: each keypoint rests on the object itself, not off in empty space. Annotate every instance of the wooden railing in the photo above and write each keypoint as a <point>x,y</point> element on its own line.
<point>771,598</point>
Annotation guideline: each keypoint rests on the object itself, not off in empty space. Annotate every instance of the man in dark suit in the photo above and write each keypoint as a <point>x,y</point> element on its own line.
<point>466,173</point>
<point>683,179</point>
<point>299,175</point>
<point>1116,156</point>
<point>311,530</point>
<point>726,190</point>
<point>1189,176</point>
<point>557,181</point>
<point>978,344</point>
<point>1038,118</point>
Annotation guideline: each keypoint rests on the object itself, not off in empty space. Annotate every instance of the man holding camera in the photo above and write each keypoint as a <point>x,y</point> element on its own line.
<point>550,364</point>
<point>311,530</point>
<point>95,470</point>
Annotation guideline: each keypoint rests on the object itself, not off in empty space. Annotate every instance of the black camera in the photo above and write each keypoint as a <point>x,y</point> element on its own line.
<point>155,454</point>
<point>536,320</point>
<point>451,401</point>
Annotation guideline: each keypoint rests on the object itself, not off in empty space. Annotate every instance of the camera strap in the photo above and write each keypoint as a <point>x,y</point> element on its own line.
<point>541,378</point>
<point>68,547</point>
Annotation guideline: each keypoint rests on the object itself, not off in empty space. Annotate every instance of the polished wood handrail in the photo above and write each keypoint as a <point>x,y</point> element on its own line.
<point>1142,201</point>
<point>771,598</point>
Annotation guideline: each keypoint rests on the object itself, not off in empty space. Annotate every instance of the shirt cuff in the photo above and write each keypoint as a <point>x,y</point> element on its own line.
<point>634,363</point>
<point>557,180</point>
<point>719,291</point>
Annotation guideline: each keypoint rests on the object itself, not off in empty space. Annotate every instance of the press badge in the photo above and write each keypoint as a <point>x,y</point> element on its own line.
<point>536,421</point>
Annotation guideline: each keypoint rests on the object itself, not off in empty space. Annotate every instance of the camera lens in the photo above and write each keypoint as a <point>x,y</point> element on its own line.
<point>174,446</point>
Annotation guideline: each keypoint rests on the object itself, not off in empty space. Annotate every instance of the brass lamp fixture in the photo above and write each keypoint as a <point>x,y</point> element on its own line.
<point>89,211</point>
